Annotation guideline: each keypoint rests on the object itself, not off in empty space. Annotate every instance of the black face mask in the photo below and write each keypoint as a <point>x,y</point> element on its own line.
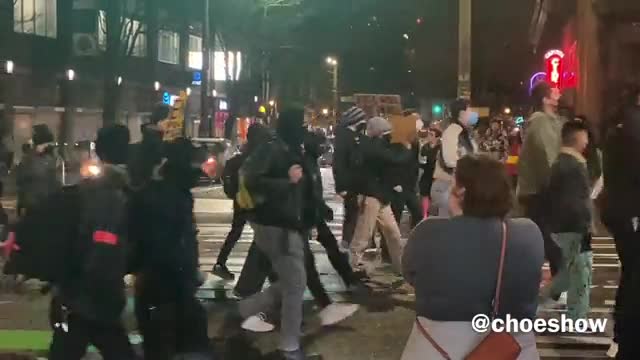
<point>387,138</point>
<point>361,127</point>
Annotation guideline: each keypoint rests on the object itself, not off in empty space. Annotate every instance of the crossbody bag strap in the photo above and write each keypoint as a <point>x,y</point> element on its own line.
<point>503,250</point>
<point>433,342</point>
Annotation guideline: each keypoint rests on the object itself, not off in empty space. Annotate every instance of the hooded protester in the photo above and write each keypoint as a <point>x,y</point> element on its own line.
<point>86,307</point>
<point>172,321</point>
<point>36,176</point>
<point>281,184</point>
<point>345,171</point>
<point>256,136</point>
<point>376,194</point>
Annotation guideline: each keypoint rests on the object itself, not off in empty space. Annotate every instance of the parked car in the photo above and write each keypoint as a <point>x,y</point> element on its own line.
<point>218,151</point>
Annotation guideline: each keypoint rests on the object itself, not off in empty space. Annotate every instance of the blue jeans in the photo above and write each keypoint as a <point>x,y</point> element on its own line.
<point>440,198</point>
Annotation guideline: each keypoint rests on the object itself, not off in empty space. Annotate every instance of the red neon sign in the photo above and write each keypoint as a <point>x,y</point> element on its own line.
<point>554,61</point>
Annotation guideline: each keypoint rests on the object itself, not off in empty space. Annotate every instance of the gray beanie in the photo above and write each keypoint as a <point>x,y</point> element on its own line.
<point>377,126</point>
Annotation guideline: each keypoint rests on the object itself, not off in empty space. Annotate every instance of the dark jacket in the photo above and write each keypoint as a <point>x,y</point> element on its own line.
<point>379,158</point>
<point>569,194</point>
<point>405,174</point>
<point>96,289</point>
<point>343,172</point>
<point>37,178</point>
<point>621,178</point>
<point>163,232</point>
<point>279,202</point>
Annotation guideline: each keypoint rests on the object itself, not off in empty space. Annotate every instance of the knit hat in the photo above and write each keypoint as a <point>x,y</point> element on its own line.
<point>377,126</point>
<point>353,116</point>
<point>41,134</point>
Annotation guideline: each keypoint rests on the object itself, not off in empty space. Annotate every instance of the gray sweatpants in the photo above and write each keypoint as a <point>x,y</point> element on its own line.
<point>285,250</point>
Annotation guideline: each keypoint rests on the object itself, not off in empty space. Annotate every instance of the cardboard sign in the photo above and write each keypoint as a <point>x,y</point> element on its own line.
<point>403,128</point>
<point>378,104</point>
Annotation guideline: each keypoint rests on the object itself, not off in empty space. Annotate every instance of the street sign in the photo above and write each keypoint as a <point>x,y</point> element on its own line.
<point>166,98</point>
<point>197,78</point>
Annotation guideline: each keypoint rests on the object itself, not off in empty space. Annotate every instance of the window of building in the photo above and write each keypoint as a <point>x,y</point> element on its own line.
<point>168,47</point>
<point>195,52</point>
<point>36,17</point>
<point>133,34</point>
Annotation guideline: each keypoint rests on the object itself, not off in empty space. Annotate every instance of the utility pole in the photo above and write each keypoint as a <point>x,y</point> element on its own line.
<point>464,49</point>
<point>204,87</point>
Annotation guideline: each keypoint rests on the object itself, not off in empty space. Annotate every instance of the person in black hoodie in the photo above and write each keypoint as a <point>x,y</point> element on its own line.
<point>621,215</point>
<point>345,168</point>
<point>377,194</point>
<point>87,305</point>
<point>405,178</point>
<point>256,135</point>
<point>170,318</point>
<point>281,185</point>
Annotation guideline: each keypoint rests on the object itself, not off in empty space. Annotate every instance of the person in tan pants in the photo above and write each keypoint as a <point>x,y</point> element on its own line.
<point>376,194</point>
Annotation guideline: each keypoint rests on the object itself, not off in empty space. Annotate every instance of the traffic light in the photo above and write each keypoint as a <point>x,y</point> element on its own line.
<point>437,109</point>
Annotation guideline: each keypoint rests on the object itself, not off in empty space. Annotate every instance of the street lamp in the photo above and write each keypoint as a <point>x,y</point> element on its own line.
<point>255,99</point>
<point>272,103</point>
<point>71,74</point>
<point>9,66</point>
<point>507,111</point>
<point>406,36</point>
<point>119,80</point>
<point>333,62</point>
<point>214,93</point>
<point>156,85</point>
<point>325,111</point>
<point>188,91</point>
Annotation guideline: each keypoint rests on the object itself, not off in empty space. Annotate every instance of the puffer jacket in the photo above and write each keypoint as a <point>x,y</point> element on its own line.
<point>279,202</point>
<point>96,289</point>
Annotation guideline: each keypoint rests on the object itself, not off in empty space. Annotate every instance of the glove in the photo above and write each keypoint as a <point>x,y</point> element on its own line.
<point>328,213</point>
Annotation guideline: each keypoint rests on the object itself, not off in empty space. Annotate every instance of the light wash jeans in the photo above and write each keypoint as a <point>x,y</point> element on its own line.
<point>575,275</point>
<point>440,198</point>
<point>285,250</point>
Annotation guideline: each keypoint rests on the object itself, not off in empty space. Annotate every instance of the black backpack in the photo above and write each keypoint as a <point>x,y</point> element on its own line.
<point>230,176</point>
<point>45,237</point>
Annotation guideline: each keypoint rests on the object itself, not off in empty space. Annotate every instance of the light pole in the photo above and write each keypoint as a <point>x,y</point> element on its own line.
<point>333,63</point>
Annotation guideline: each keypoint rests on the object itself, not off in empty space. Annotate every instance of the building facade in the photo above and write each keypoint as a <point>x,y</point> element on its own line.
<point>60,65</point>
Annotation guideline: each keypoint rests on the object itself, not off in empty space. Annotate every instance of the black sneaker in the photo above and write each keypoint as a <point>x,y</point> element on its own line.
<point>223,272</point>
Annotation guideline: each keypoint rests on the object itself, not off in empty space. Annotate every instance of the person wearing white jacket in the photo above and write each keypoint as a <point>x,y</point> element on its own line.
<point>457,141</point>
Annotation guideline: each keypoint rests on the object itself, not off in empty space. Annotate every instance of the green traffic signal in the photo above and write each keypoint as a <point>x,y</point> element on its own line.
<point>437,109</point>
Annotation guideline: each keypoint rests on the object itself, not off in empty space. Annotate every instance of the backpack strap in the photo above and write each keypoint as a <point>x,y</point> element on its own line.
<point>503,250</point>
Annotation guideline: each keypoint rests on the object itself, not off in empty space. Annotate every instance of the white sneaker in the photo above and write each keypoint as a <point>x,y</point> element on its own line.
<point>562,300</point>
<point>257,323</point>
<point>613,350</point>
<point>335,313</point>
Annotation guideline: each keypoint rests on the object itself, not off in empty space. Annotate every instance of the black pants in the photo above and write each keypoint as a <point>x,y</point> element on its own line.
<point>237,225</point>
<point>626,313</point>
<point>338,260</point>
<point>413,204</point>
<point>109,338</point>
<point>171,324</point>
<point>257,267</point>
<point>535,209</point>
<point>351,211</point>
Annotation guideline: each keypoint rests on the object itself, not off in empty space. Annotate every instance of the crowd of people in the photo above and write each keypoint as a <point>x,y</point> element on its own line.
<point>466,253</point>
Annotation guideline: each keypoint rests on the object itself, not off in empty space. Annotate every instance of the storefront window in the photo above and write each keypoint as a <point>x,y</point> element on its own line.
<point>37,17</point>
<point>168,47</point>
<point>195,52</point>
